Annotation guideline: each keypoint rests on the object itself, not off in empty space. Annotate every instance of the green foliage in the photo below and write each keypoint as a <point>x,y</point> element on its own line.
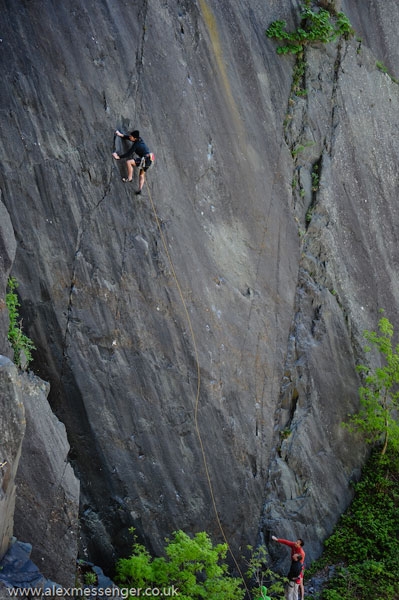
<point>90,578</point>
<point>365,544</point>
<point>381,67</point>
<point>379,396</point>
<point>285,433</point>
<point>319,26</point>
<point>260,573</point>
<point>301,147</point>
<point>194,565</point>
<point>315,178</point>
<point>20,343</point>
<point>298,76</point>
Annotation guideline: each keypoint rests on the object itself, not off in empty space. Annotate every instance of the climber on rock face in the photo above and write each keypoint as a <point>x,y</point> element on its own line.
<point>296,550</point>
<point>142,161</point>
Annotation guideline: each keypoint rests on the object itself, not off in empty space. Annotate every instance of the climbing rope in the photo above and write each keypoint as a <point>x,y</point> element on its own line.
<point>197,362</point>
<point>197,395</point>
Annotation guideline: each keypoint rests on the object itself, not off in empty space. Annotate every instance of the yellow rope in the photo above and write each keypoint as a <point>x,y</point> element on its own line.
<point>196,403</point>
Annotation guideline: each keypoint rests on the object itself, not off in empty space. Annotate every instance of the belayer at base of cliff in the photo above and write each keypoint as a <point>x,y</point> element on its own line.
<point>138,156</point>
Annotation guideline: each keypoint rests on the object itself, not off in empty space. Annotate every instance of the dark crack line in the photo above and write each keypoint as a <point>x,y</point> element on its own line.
<point>65,343</point>
<point>135,82</point>
<point>334,104</point>
<point>289,388</point>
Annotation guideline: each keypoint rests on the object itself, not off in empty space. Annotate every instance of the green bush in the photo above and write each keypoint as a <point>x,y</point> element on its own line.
<point>21,344</point>
<point>365,544</point>
<point>196,567</point>
<point>260,573</point>
<point>320,26</point>
<point>379,394</point>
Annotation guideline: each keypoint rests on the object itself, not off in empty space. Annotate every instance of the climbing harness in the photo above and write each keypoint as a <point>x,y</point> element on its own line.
<point>146,160</point>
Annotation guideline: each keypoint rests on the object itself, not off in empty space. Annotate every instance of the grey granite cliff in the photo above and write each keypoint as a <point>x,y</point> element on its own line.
<point>200,340</point>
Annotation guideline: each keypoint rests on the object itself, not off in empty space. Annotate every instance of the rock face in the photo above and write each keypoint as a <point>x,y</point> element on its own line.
<point>8,247</point>
<point>47,502</point>
<point>39,492</point>
<point>39,497</point>
<point>200,340</point>
<point>12,417</point>
<point>12,427</point>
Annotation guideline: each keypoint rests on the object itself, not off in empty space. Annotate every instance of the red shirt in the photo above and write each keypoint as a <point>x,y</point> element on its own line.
<point>295,548</point>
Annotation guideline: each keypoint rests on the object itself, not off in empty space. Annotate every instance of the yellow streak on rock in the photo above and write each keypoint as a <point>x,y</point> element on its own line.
<point>211,25</point>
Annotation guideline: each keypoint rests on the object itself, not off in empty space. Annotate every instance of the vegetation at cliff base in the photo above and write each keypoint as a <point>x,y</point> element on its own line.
<point>379,394</point>
<point>193,565</point>
<point>21,344</point>
<point>260,573</point>
<point>362,553</point>
<point>360,557</point>
<point>363,550</point>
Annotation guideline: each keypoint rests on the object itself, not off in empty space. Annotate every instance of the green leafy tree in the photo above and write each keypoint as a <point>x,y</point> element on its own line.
<point>196,567</point>
<point>315,26</point>
<point>379,394</point>
<point>21,344</point>
<point>260,573</point>
<point>362,551</point>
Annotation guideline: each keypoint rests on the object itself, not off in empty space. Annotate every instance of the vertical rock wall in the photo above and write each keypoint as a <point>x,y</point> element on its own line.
<point>211,325</point>
<point>12,427</point>
<point>8,248</point>
<point>39,494</point>
<point>47,503</point>
<point>343,135</point>
<point>12,416</point>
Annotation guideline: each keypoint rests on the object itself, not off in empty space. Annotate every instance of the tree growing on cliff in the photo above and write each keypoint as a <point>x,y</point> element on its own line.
<point>379,394</point>
<point>192,565</point>
<point>361,554</point>
<point>316,26</point>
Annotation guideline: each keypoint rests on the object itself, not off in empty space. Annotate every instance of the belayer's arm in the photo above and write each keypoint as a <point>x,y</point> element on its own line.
<point>282,541</point>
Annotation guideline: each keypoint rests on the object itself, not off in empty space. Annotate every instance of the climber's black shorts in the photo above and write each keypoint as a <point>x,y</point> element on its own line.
<point>144,163</point>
